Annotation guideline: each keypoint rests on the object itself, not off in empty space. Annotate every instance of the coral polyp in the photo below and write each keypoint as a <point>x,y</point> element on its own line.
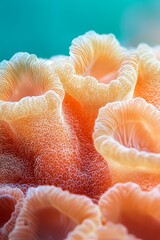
<point>127,134</point>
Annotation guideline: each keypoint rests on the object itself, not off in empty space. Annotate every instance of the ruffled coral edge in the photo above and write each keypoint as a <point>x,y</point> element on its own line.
<point>18,197</point>
<point>113,151</point>
<point>50,100</point>
<point>87,89</point>
<point>78,208</point>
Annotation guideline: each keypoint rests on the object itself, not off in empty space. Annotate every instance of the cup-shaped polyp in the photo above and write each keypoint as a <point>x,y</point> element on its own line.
<point>28,86</point>
<point>126,206</point>
<point>127,134</point>
<point>50,213</point>
<point>99,70</point>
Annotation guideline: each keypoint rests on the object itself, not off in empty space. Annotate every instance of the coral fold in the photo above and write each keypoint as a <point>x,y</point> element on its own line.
<point>97,71</point>
<point>148,82</point>
<point>11,202</point>
<point>50,213</point>
<point>134,209</point>
<point>127,134</point>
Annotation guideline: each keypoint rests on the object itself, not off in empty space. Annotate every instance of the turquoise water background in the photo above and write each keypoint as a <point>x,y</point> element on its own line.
<point>47,27</point>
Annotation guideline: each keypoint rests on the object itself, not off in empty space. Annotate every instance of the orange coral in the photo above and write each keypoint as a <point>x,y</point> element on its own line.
<point>148,82</point>
<point>127,134</point>
<point>48,110</point>
<point>51,134</point>
<point>11,202</point>
<point>135,209</point>
<point>50,213</point>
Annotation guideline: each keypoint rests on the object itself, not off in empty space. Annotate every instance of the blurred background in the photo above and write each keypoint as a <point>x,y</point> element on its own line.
<point>47,27</point>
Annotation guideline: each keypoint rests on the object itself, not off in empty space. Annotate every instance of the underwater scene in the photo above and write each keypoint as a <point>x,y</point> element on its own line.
<point>80,120</point>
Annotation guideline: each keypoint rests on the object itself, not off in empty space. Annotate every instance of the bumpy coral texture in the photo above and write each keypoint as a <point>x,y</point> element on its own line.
<point>47,136</point>
<point>127,134</point>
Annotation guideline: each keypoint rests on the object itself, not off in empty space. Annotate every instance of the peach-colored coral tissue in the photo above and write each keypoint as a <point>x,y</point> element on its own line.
<point>80,143</point>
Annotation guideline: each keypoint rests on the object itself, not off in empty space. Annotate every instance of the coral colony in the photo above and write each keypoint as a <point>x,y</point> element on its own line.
<point>80,143</point>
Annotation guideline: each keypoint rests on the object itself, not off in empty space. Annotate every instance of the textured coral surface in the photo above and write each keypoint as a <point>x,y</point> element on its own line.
<point>80,143</point>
